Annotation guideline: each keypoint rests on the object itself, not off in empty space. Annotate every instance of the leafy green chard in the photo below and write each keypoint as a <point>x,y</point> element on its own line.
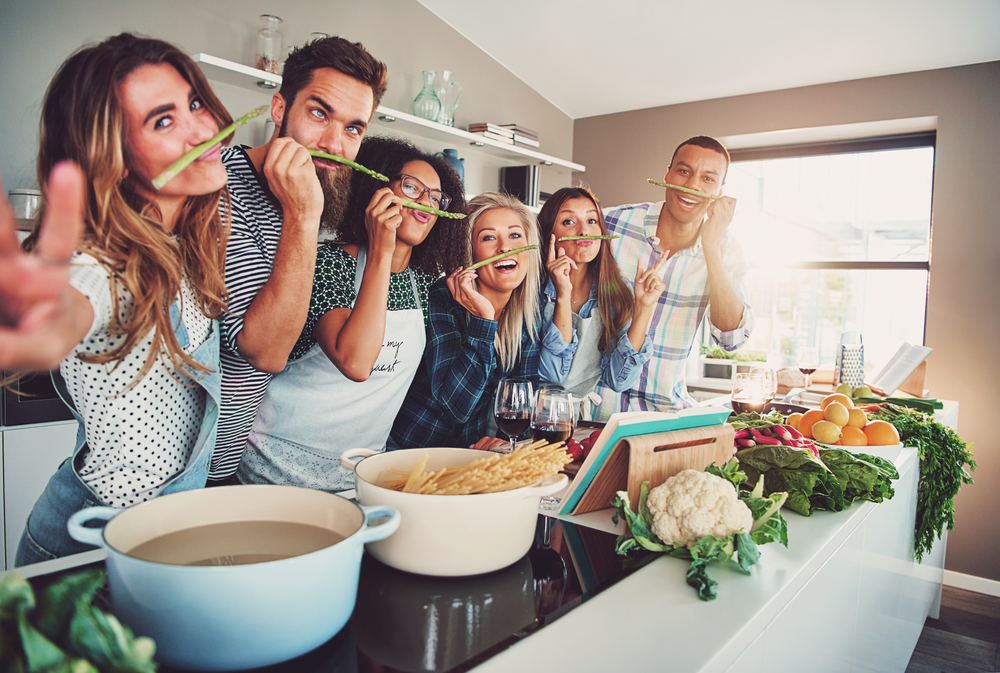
<point>740,547</point>
<point>943,457</point>
<point>62,631</point>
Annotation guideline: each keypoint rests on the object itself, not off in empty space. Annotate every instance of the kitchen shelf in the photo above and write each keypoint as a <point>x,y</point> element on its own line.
<point>244,76</point>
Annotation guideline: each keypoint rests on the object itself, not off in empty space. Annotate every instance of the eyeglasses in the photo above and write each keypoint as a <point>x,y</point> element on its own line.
<point>414,190</point>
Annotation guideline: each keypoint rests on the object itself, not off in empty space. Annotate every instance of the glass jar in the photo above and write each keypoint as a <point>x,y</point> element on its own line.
<point>268,56</point>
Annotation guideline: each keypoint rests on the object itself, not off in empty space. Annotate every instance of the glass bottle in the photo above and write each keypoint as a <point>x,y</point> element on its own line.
<point>427,105</point>
<point>269,44</point>
<point>449,92</point>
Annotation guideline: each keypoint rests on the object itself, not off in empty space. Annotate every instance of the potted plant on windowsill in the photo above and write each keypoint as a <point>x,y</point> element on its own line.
<point>715,363</point>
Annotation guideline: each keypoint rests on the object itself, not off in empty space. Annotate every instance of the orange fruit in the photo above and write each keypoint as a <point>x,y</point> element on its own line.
<point>853,436</point>
<point>837,397</point>
<point>881,433</point>
<point>793,420</point>
<point>808,420</point>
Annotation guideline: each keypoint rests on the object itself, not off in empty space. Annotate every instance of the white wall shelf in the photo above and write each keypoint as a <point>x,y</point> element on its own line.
<point>244,76</point>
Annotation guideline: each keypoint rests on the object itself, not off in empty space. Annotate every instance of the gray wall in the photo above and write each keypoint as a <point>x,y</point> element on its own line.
<point>963,322</point>
<point>37,35</point>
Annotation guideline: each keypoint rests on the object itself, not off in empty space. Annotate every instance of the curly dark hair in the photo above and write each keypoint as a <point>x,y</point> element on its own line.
<point>446,246</point>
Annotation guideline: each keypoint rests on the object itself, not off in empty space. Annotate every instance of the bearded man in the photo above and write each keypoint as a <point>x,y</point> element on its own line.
<point>282,197</point>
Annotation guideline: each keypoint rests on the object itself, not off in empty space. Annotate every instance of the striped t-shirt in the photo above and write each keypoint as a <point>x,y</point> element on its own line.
<point>253,243</point>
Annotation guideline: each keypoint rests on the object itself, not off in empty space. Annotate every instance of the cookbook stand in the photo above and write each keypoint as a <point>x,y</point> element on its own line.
<point>654,458</point>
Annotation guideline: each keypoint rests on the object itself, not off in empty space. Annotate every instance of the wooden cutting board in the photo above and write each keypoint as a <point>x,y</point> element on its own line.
<point>654,458</point>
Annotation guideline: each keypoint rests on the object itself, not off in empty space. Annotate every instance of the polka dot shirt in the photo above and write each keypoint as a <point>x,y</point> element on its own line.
<point>140,437</point>
<point>333,287</point>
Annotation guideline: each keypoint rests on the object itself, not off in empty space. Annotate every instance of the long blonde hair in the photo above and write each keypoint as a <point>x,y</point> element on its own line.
<point>82,120</point>
<point>522,308</point>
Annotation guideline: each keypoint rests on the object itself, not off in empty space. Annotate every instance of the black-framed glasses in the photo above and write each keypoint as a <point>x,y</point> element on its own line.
<point>414,190</point>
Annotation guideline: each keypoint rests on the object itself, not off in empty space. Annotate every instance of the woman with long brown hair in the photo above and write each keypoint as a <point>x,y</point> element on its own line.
<point>593,325</point>
<point>148,279</point>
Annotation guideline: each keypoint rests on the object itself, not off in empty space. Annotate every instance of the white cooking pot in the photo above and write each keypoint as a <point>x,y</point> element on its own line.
<point>448,535</point>
<point>228,617</point>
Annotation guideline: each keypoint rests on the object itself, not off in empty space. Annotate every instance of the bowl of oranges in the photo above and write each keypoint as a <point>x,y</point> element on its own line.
<point>838,423</point>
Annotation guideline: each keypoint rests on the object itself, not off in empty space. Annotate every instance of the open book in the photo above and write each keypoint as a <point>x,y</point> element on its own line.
<point>630,424</point>
<point>900,366</point>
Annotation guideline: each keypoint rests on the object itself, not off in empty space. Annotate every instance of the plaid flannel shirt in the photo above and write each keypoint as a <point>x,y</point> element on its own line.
<point>450,401</point>
<point>678,314</point>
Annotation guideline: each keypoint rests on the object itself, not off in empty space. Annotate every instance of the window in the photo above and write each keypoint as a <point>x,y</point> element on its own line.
<point>838,237</point>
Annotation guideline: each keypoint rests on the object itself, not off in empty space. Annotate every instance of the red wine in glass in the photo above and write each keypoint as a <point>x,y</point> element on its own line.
<point>741,407</point>
<point>552,432</point>
<point>806,370</point>
<point>513,423</point>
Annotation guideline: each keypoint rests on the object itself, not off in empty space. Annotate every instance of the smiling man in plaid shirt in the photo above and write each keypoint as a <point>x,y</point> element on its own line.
<point>705,274</point>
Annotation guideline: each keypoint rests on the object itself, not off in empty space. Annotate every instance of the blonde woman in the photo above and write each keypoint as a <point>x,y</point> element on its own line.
<point>482,326</point>
<point>148,285</point>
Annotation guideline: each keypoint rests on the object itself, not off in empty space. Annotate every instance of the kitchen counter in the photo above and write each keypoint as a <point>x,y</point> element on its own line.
<point>845,595</point>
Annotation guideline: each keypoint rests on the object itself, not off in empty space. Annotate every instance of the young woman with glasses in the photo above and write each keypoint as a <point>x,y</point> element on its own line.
<point>364,336</point>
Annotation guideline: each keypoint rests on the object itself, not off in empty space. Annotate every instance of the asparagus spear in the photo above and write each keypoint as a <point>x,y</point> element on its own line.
<point>348,162</point>
<point>500,256</point>
<point>591,238</point>
<point>683,189</point>
<point>166,176</point>
<point>432,211</point>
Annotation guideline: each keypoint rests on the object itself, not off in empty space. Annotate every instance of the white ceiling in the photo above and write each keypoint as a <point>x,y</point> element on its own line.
<point>646,53</point>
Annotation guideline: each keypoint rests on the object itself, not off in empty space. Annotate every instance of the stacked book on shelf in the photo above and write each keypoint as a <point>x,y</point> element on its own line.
<point>509,134</point>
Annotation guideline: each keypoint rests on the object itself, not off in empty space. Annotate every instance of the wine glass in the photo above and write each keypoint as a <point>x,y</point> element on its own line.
<point>512,408</point>
<point>749,393</point>
<point>553,417</point>
<point>766,372</point>
<point>808,362</point>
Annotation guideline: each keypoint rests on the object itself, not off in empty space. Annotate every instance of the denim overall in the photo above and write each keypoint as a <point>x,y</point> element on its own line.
<point>45,536</point>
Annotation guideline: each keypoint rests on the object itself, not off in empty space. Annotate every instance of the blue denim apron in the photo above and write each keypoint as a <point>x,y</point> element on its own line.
<point>45,536</point>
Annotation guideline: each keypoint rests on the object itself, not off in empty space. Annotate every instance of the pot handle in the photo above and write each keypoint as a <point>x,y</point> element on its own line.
<point>345,457</point>
<point>93,536</point>
<point>553,483</point>
<point>383,530</point>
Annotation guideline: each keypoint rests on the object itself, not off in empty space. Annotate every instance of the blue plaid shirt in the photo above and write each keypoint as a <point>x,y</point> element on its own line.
<point>451,398</point>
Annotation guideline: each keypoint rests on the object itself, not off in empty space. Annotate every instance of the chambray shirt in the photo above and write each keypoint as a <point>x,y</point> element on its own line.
<point>619,371</point>
<point>451,398</point>
<point>678,314</point>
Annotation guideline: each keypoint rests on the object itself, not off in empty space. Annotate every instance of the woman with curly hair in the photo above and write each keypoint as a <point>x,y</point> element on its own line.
<point>141,375</point>
<point>364,336</point>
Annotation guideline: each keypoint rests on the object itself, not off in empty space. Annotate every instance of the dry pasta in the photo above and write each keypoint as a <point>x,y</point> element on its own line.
<point>497,472</point>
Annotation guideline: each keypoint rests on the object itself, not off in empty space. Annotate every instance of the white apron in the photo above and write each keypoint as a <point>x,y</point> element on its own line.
<point>585,371</point>
<point>311,412</point>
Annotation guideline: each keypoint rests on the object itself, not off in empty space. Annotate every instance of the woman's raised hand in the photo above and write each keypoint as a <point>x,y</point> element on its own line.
<point>382,218</point>
<point>559,266</point>
<point>460,283</point>
<point>40,319</point>
<point>649,283</point>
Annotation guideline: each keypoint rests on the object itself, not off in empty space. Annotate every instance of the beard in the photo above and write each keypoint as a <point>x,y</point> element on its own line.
<point>336,187</point>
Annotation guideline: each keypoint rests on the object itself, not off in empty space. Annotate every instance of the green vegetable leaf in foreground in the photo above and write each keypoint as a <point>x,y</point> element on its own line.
<point>943,457</point>
<point>64,632</point>
<point>347,162</point>
<point>190,157</point>
<point>509,253</point>
<point>863,477</point>
<point>704,195</point>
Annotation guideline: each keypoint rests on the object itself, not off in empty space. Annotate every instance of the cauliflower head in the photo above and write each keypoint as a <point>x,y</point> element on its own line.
<point>693,504</point>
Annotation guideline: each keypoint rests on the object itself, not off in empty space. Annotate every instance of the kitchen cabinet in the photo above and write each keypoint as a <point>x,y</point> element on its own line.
<point>30,456</point>
<point>483,156</point>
